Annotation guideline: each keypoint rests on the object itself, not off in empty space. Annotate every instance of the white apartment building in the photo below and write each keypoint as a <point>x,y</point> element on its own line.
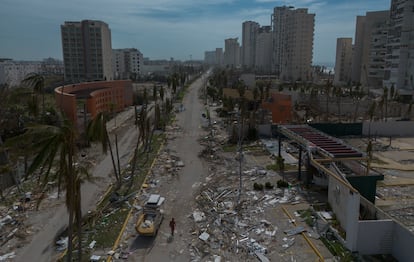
<point>12,72</point>
<point>157,67</point>
<point>214,57</point>
<point>127,63</point>
<point>87,51</point>
<point>400,47</point>
<point>232,52</point>
<point>248,48</point>
<point>343,61</point>
<point>263,58</point>
<point>292,43</point>
<point>370,49</point>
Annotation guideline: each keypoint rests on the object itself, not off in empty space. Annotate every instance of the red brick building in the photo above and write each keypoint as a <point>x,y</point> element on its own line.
<point>280,105</point>
<point>91,98</point>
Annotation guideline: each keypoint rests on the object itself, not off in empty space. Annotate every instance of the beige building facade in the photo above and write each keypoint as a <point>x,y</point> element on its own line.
<point>87,51</point>
<point>292,43</point>
<point>370,49</point>
<point>399,70</point>
<point>232,53</point>
<point>248,48</point>
<point>343,61</point>
<point>127,63</point>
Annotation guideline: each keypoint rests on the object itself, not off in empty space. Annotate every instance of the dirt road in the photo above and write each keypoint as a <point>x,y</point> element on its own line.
<point>178,191</point>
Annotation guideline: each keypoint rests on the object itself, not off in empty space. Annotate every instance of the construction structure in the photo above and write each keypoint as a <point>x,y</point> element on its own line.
<point>351,193</point>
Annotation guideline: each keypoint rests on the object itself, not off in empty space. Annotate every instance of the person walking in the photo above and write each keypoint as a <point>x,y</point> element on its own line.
<point>172,226</point>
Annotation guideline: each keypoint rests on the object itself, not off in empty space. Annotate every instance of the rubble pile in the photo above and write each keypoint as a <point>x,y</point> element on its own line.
<point>171,164</point>
<point>226,225</point>
<point>12,222</point>
<point>171,131</point>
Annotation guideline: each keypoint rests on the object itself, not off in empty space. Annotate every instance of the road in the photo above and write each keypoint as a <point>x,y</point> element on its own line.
<point>179,191</point>
<point>49,223</point>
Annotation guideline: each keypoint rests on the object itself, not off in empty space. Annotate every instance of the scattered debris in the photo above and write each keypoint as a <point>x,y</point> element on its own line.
<point>261,257</point>
<point>92,244</point>
<point>7,256</point>
<point>199,216</point>
<point>295,231</point>
<point>288,242</point>
<point>95,258</point>
<point>62,244</point>
<point>204,236</point>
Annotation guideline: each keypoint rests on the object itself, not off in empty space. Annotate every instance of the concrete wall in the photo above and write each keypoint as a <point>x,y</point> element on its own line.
<point>375,237</point>
<point>389,128</point>
<point>345,205</point>
<point>402,243</point>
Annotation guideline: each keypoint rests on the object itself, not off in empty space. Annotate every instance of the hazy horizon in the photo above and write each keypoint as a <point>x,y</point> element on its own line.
<point>162,29</point>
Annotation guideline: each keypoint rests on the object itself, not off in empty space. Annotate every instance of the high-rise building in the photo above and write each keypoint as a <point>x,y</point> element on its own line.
<point>358,46</point>
<point>219,56</point>
<point>343,62</point>
<point>248,49</point>
<point>232,52</point>
<point>263,59</point>
<point>210,57</point>
<point>127,63</point>
<point>87,51</point>
<point>400,47</point>
<point>370,49</point>
<point>292,43</point>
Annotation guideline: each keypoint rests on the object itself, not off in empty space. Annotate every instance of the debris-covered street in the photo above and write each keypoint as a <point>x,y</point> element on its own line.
<point>214,222</point>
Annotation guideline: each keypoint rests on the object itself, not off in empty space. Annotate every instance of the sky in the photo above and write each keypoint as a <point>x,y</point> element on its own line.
<point>161,29</point>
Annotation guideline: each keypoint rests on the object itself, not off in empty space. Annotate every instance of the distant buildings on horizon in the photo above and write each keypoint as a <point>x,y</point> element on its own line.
<point>383,51</point>
<point>13,72</point>
<point>284,48</point>
<point>382,54</point>
<point>88,56</point>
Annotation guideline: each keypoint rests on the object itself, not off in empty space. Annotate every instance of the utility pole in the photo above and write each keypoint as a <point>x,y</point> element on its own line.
<point>240,151</point>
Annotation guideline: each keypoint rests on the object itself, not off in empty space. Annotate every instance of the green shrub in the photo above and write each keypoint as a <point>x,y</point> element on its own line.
<point>269,185</point>
<point>282,184</point>
<point>258,187</point>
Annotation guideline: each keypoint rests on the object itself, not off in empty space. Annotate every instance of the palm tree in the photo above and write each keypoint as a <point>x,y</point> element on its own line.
<point>328,88</point>
<point>267,90</point>
<point>385,98</point>
<point>97,132</point>
<point>37,83</point>
<point>371,112</point>
<point>260,86</point>
<point>154,93</point>
<point>338,93</point>
<point>174,82</point>
<point>381,107</point>
<point>161,91</point>
<point>369,155</point>
<point>409,109</point>
<point>281,166</point>
<point>357,95</point>
<point>59,143</point>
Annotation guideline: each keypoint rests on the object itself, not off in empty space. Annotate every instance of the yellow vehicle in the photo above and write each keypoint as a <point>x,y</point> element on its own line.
<point>150,220</point>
